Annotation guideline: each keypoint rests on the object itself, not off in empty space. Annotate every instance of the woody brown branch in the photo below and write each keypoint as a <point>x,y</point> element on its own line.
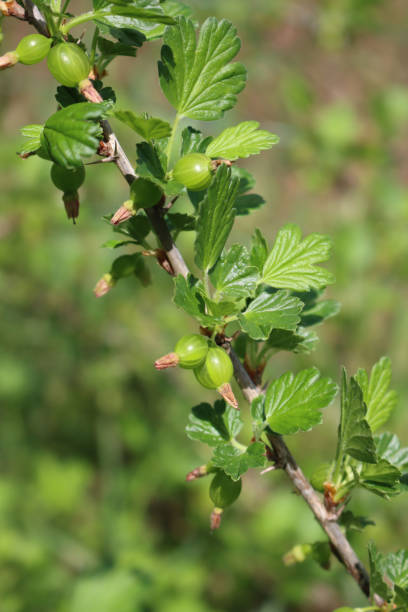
<point>284,458</point>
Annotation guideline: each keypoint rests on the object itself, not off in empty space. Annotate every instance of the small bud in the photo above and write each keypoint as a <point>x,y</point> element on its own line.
<point>8,59</point>
<point>198,472</point>
<point>71,203</point>
<point>168,361</point>
<point>89,92</point>
<point>104,285</point>
<point>227,393</point>
<point>216,518</point>
<point>123,213</point>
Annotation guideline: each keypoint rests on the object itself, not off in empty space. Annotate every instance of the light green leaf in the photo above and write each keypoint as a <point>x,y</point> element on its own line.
<point>233,276</point>
<point>132,17</point>
<point>214,425</point>
<point>259,250</point>
<point>147,127</point>
<point>174,9</point>
<point>234,462</point>
<point>215,218</point>
<point>394,567</point>
<point>73,133</point>
<point>291,263</point>
<point>188,297</point>
<point>293,402</point>
<point>241,141</point>
<point>354,435</point>
<point>381,478</point>
<point>270,310</point>
<point>389,447</point>
<point>379,399</point>
<point>33,133</point>
<point>197,77</point>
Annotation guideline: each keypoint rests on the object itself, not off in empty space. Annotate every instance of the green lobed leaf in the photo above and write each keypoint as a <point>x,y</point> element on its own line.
<point>241,141</point>
<point>377,572</point>
<point>259,250</point>
<point>174,9</point>
<point>235,462</point>
<point>270,310</point>
<point>353,522</point>
<point>402,595</point>
<point>389,447</point>
<point>73,133</point>
<point>316,312</point>
<point>299,341</point>
<point>197,77</point>
<point>291,262</point>
<point>147,127</point>
<point>151,162</point>
<point>233,276</point>
<point>181,222</point>
<point>246,204</point>
<point>381,478</point>
<point>293,402</point>
<point>215,218</point>
<point>142,16</point>
<point>33,134</point>
<point>188,297</point>
<point>354,434</point>
<point>379,399</point>
<point>130,265</point>
<point>192,141</point>
<point>214,425</point>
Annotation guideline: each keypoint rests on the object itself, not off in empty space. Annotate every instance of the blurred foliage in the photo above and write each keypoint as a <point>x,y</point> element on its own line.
<point>94,510</point>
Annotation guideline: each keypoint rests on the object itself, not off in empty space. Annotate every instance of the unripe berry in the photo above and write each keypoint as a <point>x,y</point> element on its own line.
<point>194,171</point>
<point>191,350</point>
<point>68,64</point>
<point>33,48</point>
<point>145,193</point>
<point>223,490</point>
<point>216,370</point>
<point>66,180</point>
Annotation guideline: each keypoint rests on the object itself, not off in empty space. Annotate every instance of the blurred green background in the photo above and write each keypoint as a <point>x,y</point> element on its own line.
<point>95,514</point>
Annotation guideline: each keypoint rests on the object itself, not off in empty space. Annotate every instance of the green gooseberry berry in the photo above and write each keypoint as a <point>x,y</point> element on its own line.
<point>194,171</point>
<point>223,490</point>
<point>33,48</point>
<point>216,370</point>
<point>66,180</point>
<point>320,476</point>
<point>145,193</point>
<point>68,64</point>
<point>191,350</point>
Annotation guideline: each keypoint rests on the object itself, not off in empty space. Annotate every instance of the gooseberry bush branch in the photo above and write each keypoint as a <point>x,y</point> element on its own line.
<point>248,303</point>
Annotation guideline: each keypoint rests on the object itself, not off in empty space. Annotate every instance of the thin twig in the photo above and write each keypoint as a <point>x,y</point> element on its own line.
<point>284,458</point>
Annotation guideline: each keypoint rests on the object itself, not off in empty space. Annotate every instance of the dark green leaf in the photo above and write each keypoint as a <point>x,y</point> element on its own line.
<point>319,312</point>
<point>379,399</point>
<point>291,262</point>
<point>214,425</point>
<point>192,141</point>
<point>73,133</point>
<point>188,297</point>
<point>234,462</point>
<point>112,49</point>
<point>293,402</point>
<point>351,521</point>
<point>197,77</point>
<point>247,203</point>
<point>299,341</point>
<point>377,572</point>
<point>215,218</point>
<point>354,436</point>
<point>151,162</point>
<point>115,244</point>
<point>233,276</point>
<point>181,222</point>
<point>270,310</point>
<point>147,127</point>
